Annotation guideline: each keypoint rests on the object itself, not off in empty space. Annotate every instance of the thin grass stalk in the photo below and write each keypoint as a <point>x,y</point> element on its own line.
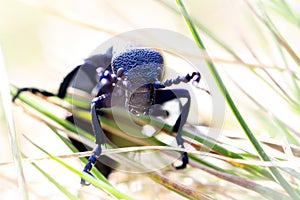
<point>67,142</point>
<point>109,126</point>
<point>221,173</point>
<point>283,94</point>
<point>281,44</point>
<point>180,189</point>
<point>7,107</point>
<point>159,178</point>
<point>284,10</point>
<point>225,47</point>
<point>283,126</point>
<point>53,181</point>
<point>243,182</point>
<point>267,192</point>
<point>282,163</point>
<point>208,32</point>
<point>264,18</point>
<point>198,138</point>
<point>233,108</point>
<point>98,183</point>
<point>171,185</point>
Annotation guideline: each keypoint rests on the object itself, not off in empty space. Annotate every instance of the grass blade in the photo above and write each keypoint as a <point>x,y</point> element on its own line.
<point>233,108</point>
<point>52,180</point>
<point>7,107</point>
<point>97,174</point>
<point>98,183</point>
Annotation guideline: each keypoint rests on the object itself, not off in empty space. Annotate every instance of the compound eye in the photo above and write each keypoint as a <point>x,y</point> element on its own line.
<point>120,72</point>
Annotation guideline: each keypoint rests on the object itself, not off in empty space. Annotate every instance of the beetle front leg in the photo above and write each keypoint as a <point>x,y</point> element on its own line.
<point>163,96</point>
<point>97,103</point>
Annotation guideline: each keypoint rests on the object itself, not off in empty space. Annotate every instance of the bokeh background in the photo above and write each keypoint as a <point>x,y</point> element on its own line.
<point>43,40</point>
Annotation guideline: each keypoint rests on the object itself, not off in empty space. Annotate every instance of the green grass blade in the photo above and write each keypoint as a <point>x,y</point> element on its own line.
<point>207,31</point>
<point>67,142</point>
<point>284,10</point>
<point>47,112</point>
<point>54,182</point>
<point>197,137</point>
<point>226,47</point>
<point>252,186</point>
<point>233,108</point>
<point>265,19</point>
<point>98,183</point>
<point>243,182</point>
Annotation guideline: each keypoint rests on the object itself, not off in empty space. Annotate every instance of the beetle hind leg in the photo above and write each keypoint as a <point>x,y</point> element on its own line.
<point>167,95</point>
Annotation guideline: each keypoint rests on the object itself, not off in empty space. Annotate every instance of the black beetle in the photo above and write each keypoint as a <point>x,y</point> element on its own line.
<point>133,77</point>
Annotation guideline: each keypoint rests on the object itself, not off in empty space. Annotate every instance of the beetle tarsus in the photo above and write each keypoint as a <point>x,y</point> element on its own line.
<point>91,162</point>
<point>185,161</point>
<point>165,95</point>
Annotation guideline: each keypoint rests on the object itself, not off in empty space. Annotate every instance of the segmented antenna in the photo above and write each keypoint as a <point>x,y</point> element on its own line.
<point>195,76</point>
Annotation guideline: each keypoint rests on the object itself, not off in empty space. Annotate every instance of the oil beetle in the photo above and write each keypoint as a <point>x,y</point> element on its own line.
<point>133,79</point>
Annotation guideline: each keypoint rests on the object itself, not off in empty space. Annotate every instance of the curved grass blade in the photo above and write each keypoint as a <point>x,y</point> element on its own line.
<point>234,109</point>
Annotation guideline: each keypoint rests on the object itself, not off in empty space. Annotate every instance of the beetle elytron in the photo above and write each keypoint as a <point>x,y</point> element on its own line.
<point>134,78</point>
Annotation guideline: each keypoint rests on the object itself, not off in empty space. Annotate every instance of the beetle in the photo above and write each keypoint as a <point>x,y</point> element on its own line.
<point>133,79</point>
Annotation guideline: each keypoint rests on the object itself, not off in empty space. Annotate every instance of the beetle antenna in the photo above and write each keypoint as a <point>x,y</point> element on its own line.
<point>195,77</point>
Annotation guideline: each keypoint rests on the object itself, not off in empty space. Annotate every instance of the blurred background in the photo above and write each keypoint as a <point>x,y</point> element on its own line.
<point>43,40</point>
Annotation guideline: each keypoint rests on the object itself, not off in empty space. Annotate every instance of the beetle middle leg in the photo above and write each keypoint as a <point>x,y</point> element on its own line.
<point>165,95</point>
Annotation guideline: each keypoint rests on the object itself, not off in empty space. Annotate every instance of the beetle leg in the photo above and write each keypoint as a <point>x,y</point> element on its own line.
<point>88,68</point>
<point>61,92</point>
<point>85,125</point>
<point>97,103</point>
<point>163,96</point>
<point>34,91</point>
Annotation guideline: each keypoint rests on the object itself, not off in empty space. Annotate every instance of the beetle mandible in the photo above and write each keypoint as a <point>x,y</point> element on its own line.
<point>133,77</point>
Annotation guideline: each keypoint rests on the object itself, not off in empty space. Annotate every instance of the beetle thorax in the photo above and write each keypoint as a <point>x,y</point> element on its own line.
<point>141,99</point>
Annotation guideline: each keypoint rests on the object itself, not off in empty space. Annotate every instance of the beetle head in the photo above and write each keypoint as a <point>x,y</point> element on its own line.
<point>141,65</point>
